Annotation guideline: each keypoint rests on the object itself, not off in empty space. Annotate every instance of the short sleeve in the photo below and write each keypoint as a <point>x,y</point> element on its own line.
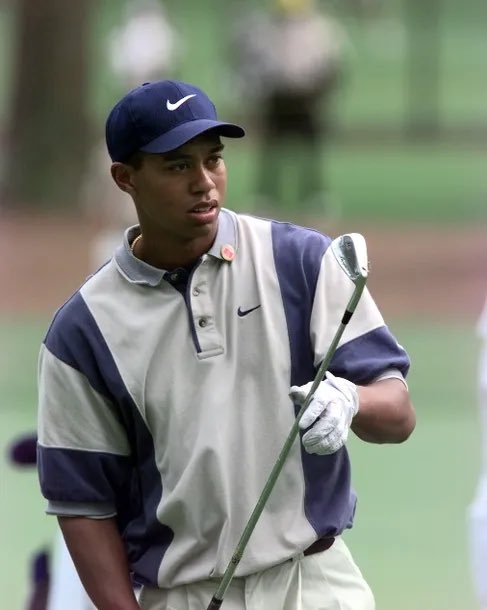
<point>367,348</point>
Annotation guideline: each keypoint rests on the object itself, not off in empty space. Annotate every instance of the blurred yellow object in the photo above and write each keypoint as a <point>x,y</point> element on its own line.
<point>294,6</point>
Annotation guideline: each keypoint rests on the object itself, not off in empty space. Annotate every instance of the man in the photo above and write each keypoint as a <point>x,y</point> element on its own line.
<point>164,383</point>
<point>477,514</point>
<point>291,61</point>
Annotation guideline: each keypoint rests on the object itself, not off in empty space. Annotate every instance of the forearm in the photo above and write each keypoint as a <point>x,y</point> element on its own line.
<point>385,414</point>
<point>101,562</point>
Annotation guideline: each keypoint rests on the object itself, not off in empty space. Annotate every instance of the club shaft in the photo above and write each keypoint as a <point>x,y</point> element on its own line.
<point>268,487</point>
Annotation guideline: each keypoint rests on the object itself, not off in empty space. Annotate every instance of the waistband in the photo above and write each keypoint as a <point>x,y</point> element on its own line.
<point>322,544</point>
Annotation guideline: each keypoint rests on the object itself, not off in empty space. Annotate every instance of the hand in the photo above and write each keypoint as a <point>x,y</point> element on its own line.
<point>334,405</point>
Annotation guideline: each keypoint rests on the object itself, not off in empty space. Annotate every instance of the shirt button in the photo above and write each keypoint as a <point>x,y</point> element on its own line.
<point>196,292</point>
<point>203,322</point>
<point>174,277</point>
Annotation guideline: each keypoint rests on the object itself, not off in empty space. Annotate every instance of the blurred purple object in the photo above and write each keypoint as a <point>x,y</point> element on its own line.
<point>40,582</point>
<point>24,450</point>
<point>40,568</point>
<point>39,597</point>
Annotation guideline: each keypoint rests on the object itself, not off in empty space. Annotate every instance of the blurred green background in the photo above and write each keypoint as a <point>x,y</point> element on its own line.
<point>410,532</point>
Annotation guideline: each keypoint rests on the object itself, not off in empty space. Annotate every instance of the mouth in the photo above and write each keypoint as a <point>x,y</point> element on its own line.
<point>204,212</point>
<point>203,207</point>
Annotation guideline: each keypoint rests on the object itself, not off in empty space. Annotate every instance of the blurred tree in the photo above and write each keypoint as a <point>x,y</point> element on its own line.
<point>49,136</point>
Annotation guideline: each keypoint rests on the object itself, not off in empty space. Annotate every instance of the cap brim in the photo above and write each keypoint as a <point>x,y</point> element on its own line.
<point>187,131</point>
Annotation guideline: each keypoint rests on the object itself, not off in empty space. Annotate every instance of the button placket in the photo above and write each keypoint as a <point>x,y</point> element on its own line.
<point>201,305</point>
<point>202,308</point>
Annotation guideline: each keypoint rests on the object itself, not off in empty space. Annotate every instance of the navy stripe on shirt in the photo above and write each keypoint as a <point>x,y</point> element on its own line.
<point>75,338</point>
<point>298,253</point>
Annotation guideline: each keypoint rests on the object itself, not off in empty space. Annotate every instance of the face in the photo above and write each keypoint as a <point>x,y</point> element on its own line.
<point>178,195</point>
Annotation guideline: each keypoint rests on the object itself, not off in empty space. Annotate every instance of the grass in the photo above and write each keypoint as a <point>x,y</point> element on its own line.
<point>409,537</point>
<point>410,534</point>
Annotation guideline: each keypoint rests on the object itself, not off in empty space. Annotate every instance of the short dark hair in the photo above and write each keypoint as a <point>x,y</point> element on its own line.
<point>136,159</point>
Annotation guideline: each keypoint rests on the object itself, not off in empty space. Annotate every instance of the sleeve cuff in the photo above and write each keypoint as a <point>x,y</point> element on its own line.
<point>392,374</point>
<point>71,509</point>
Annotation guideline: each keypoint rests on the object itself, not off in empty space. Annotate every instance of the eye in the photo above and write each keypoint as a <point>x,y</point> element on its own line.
<point>179,166</point>
<point>215,160</point>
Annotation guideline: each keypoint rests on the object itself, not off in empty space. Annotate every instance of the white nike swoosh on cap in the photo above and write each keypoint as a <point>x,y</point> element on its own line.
<point>174,106</point>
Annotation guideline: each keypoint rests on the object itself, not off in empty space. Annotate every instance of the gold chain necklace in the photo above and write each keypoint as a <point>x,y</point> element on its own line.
<point>132,246</point>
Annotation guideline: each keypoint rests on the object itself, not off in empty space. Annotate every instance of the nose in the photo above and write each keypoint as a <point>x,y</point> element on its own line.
<point>202,180</point>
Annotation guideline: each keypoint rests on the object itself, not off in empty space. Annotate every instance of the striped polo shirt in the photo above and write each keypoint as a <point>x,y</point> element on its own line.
<point>163,399</point>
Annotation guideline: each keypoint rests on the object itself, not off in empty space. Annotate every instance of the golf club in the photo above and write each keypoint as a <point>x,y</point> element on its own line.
<point>350,250</point>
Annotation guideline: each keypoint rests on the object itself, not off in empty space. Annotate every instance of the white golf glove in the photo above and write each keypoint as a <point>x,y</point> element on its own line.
<point>334,405</point>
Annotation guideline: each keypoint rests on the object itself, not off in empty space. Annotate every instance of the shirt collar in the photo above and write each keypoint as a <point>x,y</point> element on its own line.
<point>139,272</point>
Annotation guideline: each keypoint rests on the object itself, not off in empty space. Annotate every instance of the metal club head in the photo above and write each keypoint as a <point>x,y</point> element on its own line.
<point>350,250</point>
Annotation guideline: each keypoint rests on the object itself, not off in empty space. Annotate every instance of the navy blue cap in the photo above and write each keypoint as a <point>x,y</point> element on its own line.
<point>161,116</point>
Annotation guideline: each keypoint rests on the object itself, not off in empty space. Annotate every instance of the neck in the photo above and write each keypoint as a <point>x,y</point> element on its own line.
<point>168,254</point>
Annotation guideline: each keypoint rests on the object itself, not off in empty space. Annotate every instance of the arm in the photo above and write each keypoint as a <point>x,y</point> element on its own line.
<point>84,461</point>
<point>385,413</point>
<point>377,411</point>
<point>98,554</point>
<point>380,412</point>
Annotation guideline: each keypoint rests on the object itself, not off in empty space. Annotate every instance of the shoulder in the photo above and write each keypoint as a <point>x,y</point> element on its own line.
<point>288,235</point>
<point>297,251</point>
<point>299,238</point>
<point>73,321</point>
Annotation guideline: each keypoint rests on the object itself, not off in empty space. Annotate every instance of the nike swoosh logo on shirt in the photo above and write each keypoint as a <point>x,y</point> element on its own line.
<point>241,312</point>
<point>174,106</point>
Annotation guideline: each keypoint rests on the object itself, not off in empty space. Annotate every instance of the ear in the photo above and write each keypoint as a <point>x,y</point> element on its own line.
<point>122,174</point>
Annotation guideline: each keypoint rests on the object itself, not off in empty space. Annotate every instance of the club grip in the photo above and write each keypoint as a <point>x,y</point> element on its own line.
<point>215,604</point>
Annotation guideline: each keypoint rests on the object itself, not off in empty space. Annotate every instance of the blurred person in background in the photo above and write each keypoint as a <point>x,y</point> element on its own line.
<point>145,47</point>
<point>477,515</point>
<point>290,65</point>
